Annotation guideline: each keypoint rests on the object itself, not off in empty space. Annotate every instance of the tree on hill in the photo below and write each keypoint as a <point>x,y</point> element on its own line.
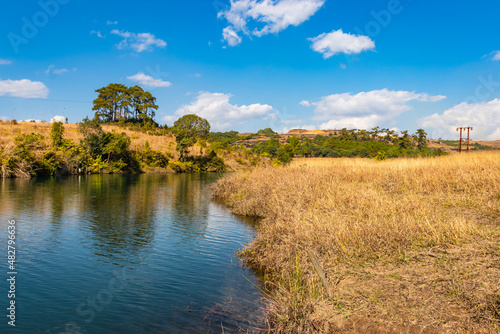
<point>268,132</point>
<point>421,139</point>
<point>405,141</point>
<point>188,129</point>
<point>56,133</point>
<point>117,102</point>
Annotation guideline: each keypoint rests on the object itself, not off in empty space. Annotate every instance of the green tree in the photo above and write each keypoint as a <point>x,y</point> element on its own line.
<point>421,139</point>
<point>117,102</point>
<point>405,141</point>
<point>112,103</point>
<point>57,133</point>
<point>295,144</point>
<point>116,146</point>
<point>92,136</point>
<point>283,155</point>
<point>143,104</point>
<point>188,129</point>
<point>268,132</point>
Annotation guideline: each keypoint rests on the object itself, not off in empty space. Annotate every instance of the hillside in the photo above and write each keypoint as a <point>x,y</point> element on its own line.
<point>26,149</point>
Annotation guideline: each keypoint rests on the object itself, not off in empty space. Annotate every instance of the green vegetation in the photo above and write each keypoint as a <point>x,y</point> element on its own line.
<point>133,109</point>
<point>379,144</point>
<point>117,102</point>
<point>472,146</point>
<point>188,130</point>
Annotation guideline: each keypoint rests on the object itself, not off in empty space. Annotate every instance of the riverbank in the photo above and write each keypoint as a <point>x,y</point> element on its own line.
<point>406,245</point>
<point>28,149</point>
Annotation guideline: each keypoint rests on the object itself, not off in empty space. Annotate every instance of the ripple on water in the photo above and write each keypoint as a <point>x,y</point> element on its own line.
<point>128,254</point>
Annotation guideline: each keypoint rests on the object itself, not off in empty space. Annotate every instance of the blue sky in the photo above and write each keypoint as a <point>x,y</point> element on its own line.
<point>251,64</point>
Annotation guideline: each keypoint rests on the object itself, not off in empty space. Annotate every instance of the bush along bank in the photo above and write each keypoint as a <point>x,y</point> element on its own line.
<point>97,152</point>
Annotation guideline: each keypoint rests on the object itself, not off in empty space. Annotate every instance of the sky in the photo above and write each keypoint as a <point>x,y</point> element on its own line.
<point>246,65</point>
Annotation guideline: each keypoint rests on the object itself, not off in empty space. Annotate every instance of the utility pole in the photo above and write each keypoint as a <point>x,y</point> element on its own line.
<point>469,129</point>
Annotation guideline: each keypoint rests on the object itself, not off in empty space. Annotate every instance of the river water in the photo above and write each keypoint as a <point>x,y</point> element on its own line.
<point>148,253</point>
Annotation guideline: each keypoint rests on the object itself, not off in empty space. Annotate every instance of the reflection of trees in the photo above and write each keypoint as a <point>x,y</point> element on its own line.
<point>118,213</point>
<point>121,213</point>
<point>190,203</point>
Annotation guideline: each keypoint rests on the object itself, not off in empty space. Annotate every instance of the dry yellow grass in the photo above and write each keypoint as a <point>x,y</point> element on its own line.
<point>164,144</point>
<point>408,245</point>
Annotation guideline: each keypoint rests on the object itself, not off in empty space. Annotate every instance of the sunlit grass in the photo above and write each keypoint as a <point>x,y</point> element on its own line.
<point>358,212</point>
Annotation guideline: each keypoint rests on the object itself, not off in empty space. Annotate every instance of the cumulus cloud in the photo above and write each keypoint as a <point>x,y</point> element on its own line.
<point>366,109</point>
<point>337,41</point>
<point>56,118</point>
<point>148,80</point>
<point>272,16</point>
<point>138,42</point>
<point>24,88</point>
<point>221,114</point>
<point>5,62</point>
<point>497,55</point>
<point>483,116</point>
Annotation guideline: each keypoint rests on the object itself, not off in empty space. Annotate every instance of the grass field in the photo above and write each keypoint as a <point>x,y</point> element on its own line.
<point>406,245</point>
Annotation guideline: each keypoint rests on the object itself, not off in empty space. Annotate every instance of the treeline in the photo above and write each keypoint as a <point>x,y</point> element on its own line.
<point>378,143</point>
<point>98,152</point>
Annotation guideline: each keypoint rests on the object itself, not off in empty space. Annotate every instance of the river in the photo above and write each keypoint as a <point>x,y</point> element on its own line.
<point>148,253</point>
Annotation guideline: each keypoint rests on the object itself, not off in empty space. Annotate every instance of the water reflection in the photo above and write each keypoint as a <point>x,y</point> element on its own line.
<point>175,244</point>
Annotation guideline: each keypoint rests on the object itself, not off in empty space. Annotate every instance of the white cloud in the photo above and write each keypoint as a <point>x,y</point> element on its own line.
<point>98,33</point>
<point>231,36</point>
<point>222,115</point>
<point>138,42</point>
<point>147,80</point>
<point>273,16</point>
<point>497,55</point>
<point>56,118</point>
<point>24,88</point>
<point>305,103</point>
<point>482,116</point>
<point>53,70</point>
<point>108,22</point>
<point>337,41</point>
<point>60,71</point>
<point>366,109</point>
<point>5,62</point>
<point>366,122</point>
<point>31,120</point>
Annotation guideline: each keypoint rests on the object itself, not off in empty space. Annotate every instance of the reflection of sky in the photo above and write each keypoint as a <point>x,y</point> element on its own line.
<point>175,245</point>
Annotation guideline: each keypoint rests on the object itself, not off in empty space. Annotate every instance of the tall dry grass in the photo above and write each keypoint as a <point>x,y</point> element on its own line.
<point>164,144</point>
<point>358,212</point>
